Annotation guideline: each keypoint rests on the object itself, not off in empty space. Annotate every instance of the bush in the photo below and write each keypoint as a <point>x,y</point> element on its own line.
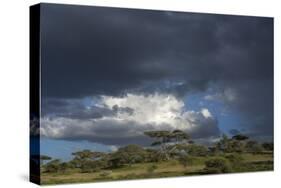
<point>217,165</point>
<point>63,167</point>
<point>235,158</point>
<point>92,166</point>
<point>131,154</point>
<point>87,166</point>
<point>186,160</point>
<point>154,156</point>
<point>197,150</point>
<point>268,146</point>
<point>235,146</point>
<point>254,147</point>
<point>52,166</point>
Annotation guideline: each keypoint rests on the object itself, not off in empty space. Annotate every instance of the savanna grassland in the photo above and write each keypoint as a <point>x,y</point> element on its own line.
<point>172,154</point>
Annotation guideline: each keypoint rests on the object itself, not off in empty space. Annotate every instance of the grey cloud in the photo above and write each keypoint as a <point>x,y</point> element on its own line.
<point>114,50</point>
<point>109,131</point>
<point>74,108</point>
<point>234,132</point>
<point>93,51</point>
<point>208,128</point>
<point>128,121</point>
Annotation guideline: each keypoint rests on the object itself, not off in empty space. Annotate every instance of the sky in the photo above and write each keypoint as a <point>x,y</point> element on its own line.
<point>109,74</point>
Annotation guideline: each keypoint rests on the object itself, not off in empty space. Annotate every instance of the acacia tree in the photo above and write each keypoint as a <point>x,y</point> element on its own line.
<point>132,154</point>
<point>179,136</point>
<point>253,147</point>
<point>268,146</point>
<point>238,142</point>
<point>81,155</point>
<point>223,144</point>
<point>53,166</point>
<point>164,137</point>
<point>234,144</point>
<point>44,158</point>
<point>85,157</point>
<point>240,137</point>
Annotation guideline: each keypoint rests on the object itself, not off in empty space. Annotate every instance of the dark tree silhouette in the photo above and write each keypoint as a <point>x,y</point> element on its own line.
<point>44,158</point>
<point>240,137</point>
<point>164,137</point>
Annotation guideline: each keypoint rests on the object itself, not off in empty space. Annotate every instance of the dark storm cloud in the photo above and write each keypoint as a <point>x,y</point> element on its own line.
<point>255,104</point>
<point>90,51</point>
<point>234,132</point>
<point>116,49</point>
<point>209,129</point>
<point>74,108</point>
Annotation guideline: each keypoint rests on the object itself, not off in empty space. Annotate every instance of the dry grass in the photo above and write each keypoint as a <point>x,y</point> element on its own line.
<point>139,171</point>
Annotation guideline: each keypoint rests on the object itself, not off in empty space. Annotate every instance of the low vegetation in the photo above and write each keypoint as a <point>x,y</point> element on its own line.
<point>171,154</point>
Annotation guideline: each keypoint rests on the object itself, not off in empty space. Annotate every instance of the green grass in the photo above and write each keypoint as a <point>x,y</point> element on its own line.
<point>172,168</point>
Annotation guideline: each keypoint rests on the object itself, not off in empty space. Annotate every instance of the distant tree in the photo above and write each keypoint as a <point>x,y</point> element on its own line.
<point>179,136</point>
<point>89,161</point>
<point>153,155</point>
<point>162,138</point>
<point>191,142</point>
<point>81,155</point>
<point>238,142</point>
<point>128,155</point>
<point>223,144</point>
<point>89,166</point>
<point>52,166</point>
<point>240,137</point>
<point>235,144</point>
<point>253,147</point>
<point>213,150</point>
<point>197,150</point>
<point>44,158</point>
<point>63,167</point>
<point>268,146</point>
<point>133,154</point>
<point>84,157</point>
<point>235,159</point>
<point>186,160</point>
<point>217,165</point>
<point>115,161</point>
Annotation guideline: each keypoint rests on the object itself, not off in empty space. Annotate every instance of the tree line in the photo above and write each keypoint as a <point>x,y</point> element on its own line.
<point>167,145</point>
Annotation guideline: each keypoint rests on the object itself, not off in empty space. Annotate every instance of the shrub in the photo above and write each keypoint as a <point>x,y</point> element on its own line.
<point>197,150</point>
<point>53,166</point>
<point>268,146</point>
<point>217,165</point>
<point>235,158</point>
<point>186,160</point>
<point>92,166</point>
<point>254,147</point>
<point>63,167</point>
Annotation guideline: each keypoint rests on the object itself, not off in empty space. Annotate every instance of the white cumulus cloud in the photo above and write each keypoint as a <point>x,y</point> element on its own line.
<point>134,114</point>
